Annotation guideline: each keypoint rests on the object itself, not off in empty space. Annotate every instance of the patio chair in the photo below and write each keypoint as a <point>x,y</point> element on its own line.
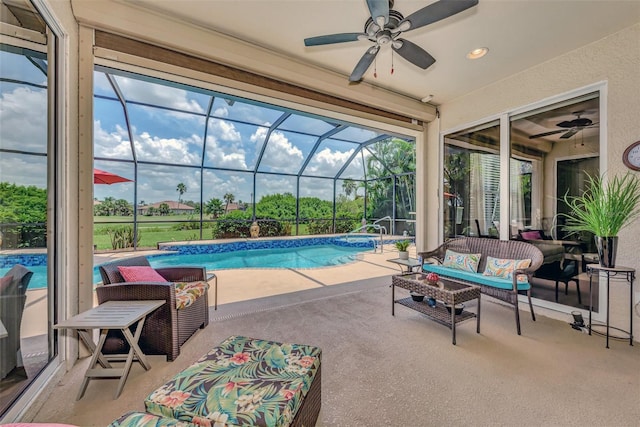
<point>167,328</point>
<point>13,295</point>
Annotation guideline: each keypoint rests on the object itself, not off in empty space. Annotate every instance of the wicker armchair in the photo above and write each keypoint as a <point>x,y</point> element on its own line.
<point>13,295</point>
<point>167,328</point>
<point>510,249</point>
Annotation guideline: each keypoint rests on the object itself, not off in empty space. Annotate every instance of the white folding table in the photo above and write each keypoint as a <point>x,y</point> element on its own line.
<point>112,315</point>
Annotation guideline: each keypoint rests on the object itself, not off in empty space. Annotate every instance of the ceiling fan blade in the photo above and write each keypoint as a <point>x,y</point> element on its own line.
<point>570,133</point>
<point>553,132</point>
<point>334,38</point>
<point>364,64</point>
<point>434,12</point>
<point>413,53</point>
<point>379,10</point>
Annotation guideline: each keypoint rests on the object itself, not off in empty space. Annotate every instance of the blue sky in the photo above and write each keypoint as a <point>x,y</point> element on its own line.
<point>168,126</point>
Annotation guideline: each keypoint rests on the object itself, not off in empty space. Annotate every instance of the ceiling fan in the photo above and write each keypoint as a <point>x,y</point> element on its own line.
<point>570,127</point>
<point>385,26</point>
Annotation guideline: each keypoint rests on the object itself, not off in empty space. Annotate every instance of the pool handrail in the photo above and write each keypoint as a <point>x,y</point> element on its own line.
<point>375,226</point>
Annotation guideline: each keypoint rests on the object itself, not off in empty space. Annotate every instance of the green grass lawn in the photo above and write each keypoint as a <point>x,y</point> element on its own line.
<point>153,232</point>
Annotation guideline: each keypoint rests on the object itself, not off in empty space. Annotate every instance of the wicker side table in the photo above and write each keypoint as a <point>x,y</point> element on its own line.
<point>447,291</point>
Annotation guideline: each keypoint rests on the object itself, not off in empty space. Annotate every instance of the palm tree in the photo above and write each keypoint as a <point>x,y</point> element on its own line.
<point>349,186</point>
<point>181,189</point>
<point>214,208</point>
<point>228,198</point>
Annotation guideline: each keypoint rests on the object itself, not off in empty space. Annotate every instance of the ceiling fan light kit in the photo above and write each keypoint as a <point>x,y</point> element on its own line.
<point>384,27</point>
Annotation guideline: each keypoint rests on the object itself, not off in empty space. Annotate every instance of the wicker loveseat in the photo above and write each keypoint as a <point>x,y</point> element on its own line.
<point>506,290</point>
<point>167,328</point>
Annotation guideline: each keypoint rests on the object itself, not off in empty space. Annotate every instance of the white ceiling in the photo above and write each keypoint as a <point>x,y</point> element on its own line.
<point>518,33</point>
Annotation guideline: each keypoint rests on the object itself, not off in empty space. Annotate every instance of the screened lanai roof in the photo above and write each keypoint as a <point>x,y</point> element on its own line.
<point>159,125</point>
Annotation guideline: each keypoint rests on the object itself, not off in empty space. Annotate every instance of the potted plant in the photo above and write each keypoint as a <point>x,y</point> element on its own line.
<point>401,246</point>
<point>603,209</point>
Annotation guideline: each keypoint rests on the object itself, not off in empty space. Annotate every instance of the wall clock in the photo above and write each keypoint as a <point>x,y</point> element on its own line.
<point>631,156</point>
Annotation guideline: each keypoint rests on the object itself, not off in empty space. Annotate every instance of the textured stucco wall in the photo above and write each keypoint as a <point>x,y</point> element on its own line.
<point>614,60</point>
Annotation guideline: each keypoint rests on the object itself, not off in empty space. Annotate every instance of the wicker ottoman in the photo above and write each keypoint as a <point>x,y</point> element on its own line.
<point>245,381</point>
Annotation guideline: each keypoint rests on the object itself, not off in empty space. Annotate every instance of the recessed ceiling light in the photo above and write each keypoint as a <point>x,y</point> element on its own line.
<point>477,53</point>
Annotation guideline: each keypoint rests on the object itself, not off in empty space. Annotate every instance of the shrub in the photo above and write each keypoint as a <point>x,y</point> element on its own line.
<point>122,237</point>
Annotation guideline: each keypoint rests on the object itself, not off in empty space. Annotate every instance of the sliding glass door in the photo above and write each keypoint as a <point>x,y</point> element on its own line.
<point>515,181</point>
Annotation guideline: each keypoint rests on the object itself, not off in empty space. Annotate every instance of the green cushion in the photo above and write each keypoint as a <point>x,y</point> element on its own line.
<point>479,278</point>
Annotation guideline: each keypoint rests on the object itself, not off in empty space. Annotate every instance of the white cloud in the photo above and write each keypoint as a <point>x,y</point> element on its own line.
<point>280,155</point>
<point>327,162</point>
<point>156,94</point>
<point>168,150</point>
<point>216,156</point>
<point>23,119</point>
<point>224,130</point>
<point>111,144</point>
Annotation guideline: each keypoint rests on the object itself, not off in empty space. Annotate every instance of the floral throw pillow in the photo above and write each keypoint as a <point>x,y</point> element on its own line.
<point>464,262</point>
<point>140,274</point>
<point>505,267</point>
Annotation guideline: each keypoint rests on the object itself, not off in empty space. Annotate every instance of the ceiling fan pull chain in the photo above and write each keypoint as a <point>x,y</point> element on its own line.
<point>392,61</point>
<point>375,68</point>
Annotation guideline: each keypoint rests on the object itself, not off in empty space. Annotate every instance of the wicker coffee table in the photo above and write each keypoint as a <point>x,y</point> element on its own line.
<point>447,291</point>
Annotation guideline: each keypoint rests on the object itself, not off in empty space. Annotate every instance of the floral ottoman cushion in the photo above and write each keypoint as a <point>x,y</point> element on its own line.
<point>244,381</point>
<point>188,292</point>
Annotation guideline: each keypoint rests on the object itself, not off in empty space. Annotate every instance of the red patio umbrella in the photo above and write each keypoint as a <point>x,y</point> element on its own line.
<point>103,177</point>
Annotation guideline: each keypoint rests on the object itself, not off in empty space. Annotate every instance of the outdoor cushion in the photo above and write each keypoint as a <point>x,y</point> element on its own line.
<point>464,262</point>
<point>479,278</point>
<point>531,235</point>
<point>188,292</point>
<point>505,268</point>
<point>243,381</point>
<point>143,419</point>
<point>140,273</point>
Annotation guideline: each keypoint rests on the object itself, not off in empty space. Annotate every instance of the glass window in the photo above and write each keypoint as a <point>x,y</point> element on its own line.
<point>472,182</point>
<point>553,149</point>
<point>27,344</point>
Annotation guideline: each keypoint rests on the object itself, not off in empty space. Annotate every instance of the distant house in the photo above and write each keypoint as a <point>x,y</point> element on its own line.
<point>174,207</point>
<point>234,207</point>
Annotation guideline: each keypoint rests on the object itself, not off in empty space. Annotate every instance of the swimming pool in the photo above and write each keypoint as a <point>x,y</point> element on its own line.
<point>306,252</point>
<point>294,257</point>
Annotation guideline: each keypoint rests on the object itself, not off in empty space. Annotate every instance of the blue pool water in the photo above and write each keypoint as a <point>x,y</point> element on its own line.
<point>296,257</point>
<point>39,278</point>
<point>310,252</point>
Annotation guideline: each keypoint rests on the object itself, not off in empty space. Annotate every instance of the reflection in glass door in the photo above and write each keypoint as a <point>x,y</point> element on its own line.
<point>27,342</point>
<point>551,151</point>
<point>471,184</point>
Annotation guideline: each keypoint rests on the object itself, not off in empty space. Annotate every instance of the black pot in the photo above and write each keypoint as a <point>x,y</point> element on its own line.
<point>607,248</point>
<point>459,308</point>
<point>417,297</point>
